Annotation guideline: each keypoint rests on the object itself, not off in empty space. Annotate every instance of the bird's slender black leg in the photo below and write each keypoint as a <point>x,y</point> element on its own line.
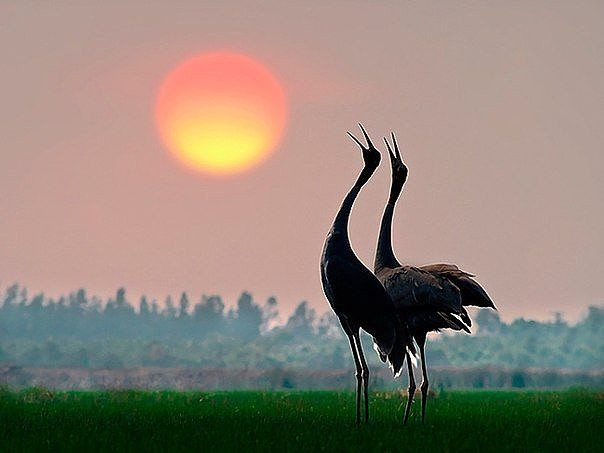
<point>358,375</point>
<point>425,383</point>
<point>411,389</point>
<point>364,375</point>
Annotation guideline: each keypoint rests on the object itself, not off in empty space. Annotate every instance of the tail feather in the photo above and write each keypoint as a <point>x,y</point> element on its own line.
<point>466,318</point>
<point>381,354</point>
<point>473,294</point>
<point>403,345</point>
<point>453,322</point>
<point>471,291</point>
<point>396,362</point>
<point>413,354</point>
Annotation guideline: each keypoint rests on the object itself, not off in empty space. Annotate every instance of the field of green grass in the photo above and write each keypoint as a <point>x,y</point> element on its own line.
<point>456,421</point>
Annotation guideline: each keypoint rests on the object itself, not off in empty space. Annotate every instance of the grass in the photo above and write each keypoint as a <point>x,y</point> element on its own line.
<point>37,419</point>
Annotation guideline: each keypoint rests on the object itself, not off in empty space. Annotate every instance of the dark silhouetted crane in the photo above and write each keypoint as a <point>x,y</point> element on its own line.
<point>428,298</point>
<point>356,296</point>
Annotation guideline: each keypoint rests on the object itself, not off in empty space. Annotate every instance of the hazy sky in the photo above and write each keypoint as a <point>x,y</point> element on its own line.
<point>499,107</point>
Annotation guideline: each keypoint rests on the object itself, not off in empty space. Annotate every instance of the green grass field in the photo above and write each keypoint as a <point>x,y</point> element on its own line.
<point>456,421</point>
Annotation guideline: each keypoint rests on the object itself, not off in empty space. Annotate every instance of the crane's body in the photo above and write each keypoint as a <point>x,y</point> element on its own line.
<point>356,296</point>
<point>428,298</point>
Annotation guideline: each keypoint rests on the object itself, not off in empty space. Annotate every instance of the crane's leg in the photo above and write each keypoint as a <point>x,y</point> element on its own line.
<point>411,388</point>
<point>364,375</point>
<point>358,375</point>
<point>425,383</point>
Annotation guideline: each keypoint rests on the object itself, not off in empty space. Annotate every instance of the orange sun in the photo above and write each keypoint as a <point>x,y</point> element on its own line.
<point>221,113</point>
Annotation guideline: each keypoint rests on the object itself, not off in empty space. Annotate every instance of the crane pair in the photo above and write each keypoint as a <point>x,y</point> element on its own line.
<point>396,304</point>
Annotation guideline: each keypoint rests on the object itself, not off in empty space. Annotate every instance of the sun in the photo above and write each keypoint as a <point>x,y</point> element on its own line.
<point>221,113</point>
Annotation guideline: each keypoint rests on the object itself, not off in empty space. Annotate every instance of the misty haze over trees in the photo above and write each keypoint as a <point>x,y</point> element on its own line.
<point>83,331</point>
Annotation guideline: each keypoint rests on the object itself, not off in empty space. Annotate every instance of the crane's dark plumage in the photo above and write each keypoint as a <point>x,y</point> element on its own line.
<point>428,298</point>
<point>355,294</point>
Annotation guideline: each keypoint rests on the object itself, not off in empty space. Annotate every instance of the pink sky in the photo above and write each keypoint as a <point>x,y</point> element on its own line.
<point>498,106</point>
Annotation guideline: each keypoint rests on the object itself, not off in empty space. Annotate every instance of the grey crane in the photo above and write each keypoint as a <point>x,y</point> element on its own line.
<point>356,296</point>
<point>428,298</point>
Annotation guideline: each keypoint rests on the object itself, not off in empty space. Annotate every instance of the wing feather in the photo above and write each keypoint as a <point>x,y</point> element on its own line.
<point>471,291</point>
<point>413,288</point>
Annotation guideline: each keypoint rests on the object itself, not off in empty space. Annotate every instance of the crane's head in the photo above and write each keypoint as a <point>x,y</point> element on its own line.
<point>371,156</point>
<point>399,169</point>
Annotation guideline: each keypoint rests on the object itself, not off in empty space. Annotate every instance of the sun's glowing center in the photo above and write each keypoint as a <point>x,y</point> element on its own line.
<point>221,113</point>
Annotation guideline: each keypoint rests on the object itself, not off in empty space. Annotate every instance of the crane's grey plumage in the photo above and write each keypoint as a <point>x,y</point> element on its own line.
<point>428,298</point>
<point>355,294</point>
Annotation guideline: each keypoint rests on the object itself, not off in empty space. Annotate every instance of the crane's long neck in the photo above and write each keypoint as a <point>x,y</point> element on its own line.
<point>340,224</point>
<point>384,255</point>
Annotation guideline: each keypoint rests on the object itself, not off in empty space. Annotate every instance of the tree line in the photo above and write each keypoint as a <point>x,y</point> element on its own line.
<point>79,330</point>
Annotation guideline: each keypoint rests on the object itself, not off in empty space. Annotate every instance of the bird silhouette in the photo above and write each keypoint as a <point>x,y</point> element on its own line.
<point>356,296</point>
<point>428,298</point>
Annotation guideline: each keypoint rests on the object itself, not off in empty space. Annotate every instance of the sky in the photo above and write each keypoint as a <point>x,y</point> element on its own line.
<point>498,108</point>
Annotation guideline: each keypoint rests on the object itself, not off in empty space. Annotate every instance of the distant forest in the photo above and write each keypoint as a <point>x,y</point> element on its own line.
<point>87,332</point>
